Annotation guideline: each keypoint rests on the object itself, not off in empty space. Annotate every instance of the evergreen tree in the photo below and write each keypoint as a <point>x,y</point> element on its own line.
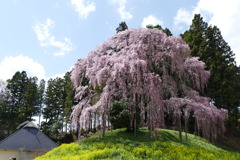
<point>7,112</point>
<point>69,100</point>
<point>54,106</point>
<point>29,108</point>
<point>59,100</point>
<point>17,87</point>
<point>19,105</point>
<point>51,110</point>
<point>207,43</point>
<point>166,30</point>
<point>122,27</point>
<point>120,116</point>
<point>40,99</point>
<point>195,37</point>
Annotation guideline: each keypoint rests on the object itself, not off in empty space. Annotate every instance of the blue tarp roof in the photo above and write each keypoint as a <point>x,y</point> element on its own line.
<point>28,138</point>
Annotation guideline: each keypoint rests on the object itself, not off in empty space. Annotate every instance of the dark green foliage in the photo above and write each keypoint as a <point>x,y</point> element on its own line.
<point>223,88</point>
<point>119,115</point>
<point>17,86</point>
<point>24,98</point>
<point>69,100</point>
<point>166,30</point>
<point>122,27</point>
<point>98,89</point>
<point>85,81</point>
<point>59,99</point>
<point>195,37</point>
<point>20,101</point>
<point>54,101</point>
<point>7,114</point>
<point>29,107</point>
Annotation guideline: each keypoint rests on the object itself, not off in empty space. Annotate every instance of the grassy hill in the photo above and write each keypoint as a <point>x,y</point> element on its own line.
<point>119,144</point>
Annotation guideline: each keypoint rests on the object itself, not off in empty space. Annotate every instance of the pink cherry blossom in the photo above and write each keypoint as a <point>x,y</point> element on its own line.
<point>151,71</point>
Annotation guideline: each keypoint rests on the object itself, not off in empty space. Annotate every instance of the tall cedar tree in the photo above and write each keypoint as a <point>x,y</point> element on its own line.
<point>223,88</point>
<point>69,101</point>
<point>59,99</point>
<point>29,107</point>
<point>7,112</point>
<point>54,104</point>
<point>20,100</point>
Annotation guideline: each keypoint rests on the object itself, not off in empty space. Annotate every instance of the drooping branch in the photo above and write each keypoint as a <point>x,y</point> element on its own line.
<point>150,71</point>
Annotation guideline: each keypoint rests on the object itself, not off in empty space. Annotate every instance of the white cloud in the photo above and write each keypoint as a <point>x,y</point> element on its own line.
<point>3,84</point>
<point>151,20</point>
<point>183,16</point>
<point>121,4</point>
<point>222,13</point>
<point>83,8</point>
<point>46,39</point>
<point>10,65</point>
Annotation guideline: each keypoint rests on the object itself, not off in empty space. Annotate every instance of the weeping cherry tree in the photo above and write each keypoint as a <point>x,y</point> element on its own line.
<point>153,73</point>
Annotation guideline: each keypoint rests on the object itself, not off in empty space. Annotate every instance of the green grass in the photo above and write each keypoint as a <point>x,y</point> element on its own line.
<point>122,145</point>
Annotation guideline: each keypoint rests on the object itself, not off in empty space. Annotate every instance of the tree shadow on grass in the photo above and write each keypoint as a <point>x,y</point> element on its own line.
<point>166,136</point>
<point>143,136</point>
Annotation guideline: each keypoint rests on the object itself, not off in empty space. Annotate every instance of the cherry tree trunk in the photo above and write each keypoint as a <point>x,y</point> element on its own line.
<point>186,123</point>
<point>94,123</point>
<point>135,125</point>
<point>186,129</point>
<point>103,125</point>
<point>180,129</point>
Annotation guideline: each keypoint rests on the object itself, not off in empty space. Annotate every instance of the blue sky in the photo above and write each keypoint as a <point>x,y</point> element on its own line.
<point>46,37</point>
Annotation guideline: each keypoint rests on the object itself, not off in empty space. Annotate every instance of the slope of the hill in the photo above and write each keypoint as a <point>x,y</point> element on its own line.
<point>119,144</point>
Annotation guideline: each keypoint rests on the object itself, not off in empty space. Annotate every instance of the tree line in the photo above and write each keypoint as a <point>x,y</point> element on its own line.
<point>25,98</point>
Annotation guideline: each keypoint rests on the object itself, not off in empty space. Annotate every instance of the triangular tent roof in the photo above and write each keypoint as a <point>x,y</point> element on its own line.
<point>28,138</point>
